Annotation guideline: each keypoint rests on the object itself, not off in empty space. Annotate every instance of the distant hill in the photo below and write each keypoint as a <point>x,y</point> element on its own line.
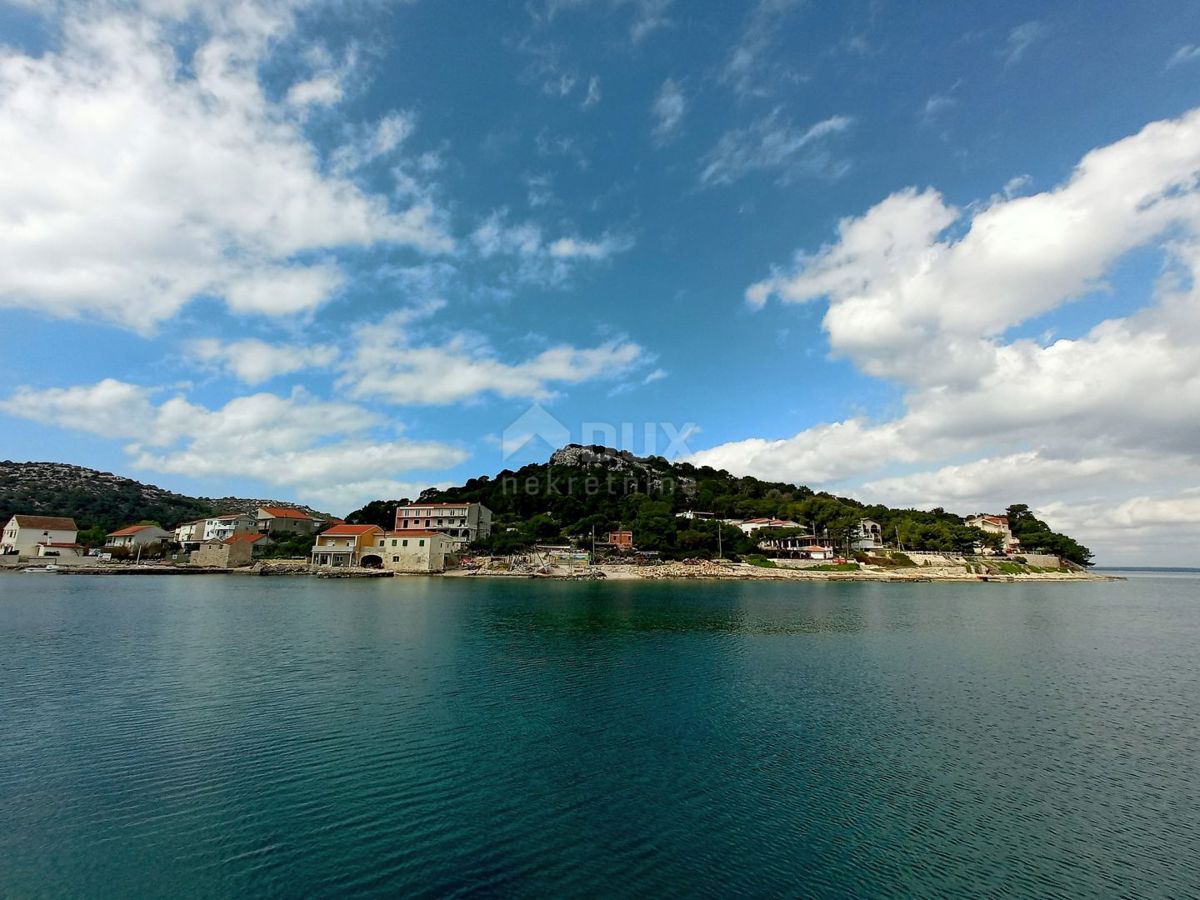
<point>581,488</point>
<point>103,500</point>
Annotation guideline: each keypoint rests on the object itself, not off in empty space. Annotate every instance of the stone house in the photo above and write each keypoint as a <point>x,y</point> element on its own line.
<point>408,551</point>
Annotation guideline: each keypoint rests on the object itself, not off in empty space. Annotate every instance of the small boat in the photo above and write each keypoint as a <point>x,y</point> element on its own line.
<point>44,570</point>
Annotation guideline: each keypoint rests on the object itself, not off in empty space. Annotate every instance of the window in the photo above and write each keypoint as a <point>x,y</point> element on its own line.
<point>393,542</point>
<point>404,543</point>
<point>395,559</point>
<point>421,543</point>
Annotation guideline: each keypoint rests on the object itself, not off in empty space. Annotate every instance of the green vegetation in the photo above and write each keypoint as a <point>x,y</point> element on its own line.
<point>762,562</point>
<point>834,567</point>
<point>1036,537</point>
<point>557,501</point>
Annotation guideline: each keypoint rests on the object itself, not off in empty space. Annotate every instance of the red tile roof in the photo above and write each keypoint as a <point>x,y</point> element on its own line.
<point>46,523</point>
<point>283,512</point>
<point>244,538</point>
<point>351,529</point>
<point>128,530</point>
<point>64,546</point>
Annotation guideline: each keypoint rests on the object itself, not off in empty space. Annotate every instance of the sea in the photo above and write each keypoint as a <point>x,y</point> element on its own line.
<point>222,736</point>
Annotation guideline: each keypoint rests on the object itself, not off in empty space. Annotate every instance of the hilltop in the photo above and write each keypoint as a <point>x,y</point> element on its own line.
<point>102,500</point>
<point>585,488</point>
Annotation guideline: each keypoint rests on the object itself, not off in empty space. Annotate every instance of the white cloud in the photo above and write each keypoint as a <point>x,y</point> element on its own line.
<point>906,301</point>
<point>936,105</point>
<point>646,16</point>
<point>388,364</point>
<point>1185,54</point>
<point>318,448</point>
<point>254,361</point>
<point>593,94</point>
<point>774,144</point>
<point>539,260</point>
<point>924,295</point>
<point>323,90</point>
<point>668,110</point>
<point>1020,39</point>
<point>751,69</point>
<point>133,183</point>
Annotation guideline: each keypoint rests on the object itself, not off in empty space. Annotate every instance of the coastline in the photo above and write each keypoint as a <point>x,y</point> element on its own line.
<point>696,570</point>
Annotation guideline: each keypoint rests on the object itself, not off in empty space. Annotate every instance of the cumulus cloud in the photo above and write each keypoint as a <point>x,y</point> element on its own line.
<point>254,361</point>
<point>774,144</point>
<point>387,363</point>
<point>668,110</point>
<point>318,448</point>
<point>925,295</point>
<point>136,178</point>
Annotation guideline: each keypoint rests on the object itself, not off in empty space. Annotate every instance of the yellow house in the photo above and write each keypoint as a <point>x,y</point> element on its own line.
<point>343,545</point>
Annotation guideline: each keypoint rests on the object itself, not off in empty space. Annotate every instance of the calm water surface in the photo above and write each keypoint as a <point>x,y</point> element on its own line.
<point>220,736</point>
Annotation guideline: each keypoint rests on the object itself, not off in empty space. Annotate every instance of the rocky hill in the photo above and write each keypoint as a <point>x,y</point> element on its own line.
<point>586,489</point>
<point>104,500</point>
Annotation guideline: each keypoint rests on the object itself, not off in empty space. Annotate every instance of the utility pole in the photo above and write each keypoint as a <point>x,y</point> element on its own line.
<point>720,551</point>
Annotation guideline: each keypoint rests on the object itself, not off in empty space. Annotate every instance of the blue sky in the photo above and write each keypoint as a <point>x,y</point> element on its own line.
<point>330,252</point>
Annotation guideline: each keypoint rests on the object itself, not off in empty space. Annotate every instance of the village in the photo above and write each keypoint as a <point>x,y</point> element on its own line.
<point>440,538</point>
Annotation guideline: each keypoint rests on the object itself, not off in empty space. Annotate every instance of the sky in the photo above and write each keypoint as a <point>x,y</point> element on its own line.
<point>926,255</point>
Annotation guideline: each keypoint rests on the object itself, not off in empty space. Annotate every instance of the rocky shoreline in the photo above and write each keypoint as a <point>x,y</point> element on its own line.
<point>667,571</point>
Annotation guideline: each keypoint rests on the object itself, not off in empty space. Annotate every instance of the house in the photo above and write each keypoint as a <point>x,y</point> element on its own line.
<point>228,553</point>
<point>619,540</point>
<point>221,527</point>
<point>343,545</point>
<point>63,554</point>
<point>284,519</point>
<point>407,551</point>
<point>189,534</point>
<point>800,546</point>
<point>749,526</point>
<point>868,536</point>
<point>463,523</point>
<point>22,533</point>
<point>136,536</point>
<point>693,514</point>
<point>996,525</point>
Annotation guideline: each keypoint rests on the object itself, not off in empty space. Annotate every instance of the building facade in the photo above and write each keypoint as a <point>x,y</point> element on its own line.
<point>220,527</point>
<point>408,551</point>
<point>284,519</point>
<point>343,545</point>
<point>868,536</point>
<point>22,533</point>
<point>996,525</point>
<point>136,536</point>
<point>189,534</point>
<point>462,523</point>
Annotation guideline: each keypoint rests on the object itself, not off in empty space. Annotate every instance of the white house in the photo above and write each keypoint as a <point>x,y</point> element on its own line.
<point>221,527</point>
<point>749,526</point>
<point>996,525</point>
<point>461,522</point>
<point>190,533</point>
<point>23,533</point>
<point>408,551</point>
<point>136,536</point>
<point>868,535</point>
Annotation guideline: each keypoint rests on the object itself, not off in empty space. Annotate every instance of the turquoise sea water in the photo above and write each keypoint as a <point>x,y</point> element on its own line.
<point>225,736</point>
